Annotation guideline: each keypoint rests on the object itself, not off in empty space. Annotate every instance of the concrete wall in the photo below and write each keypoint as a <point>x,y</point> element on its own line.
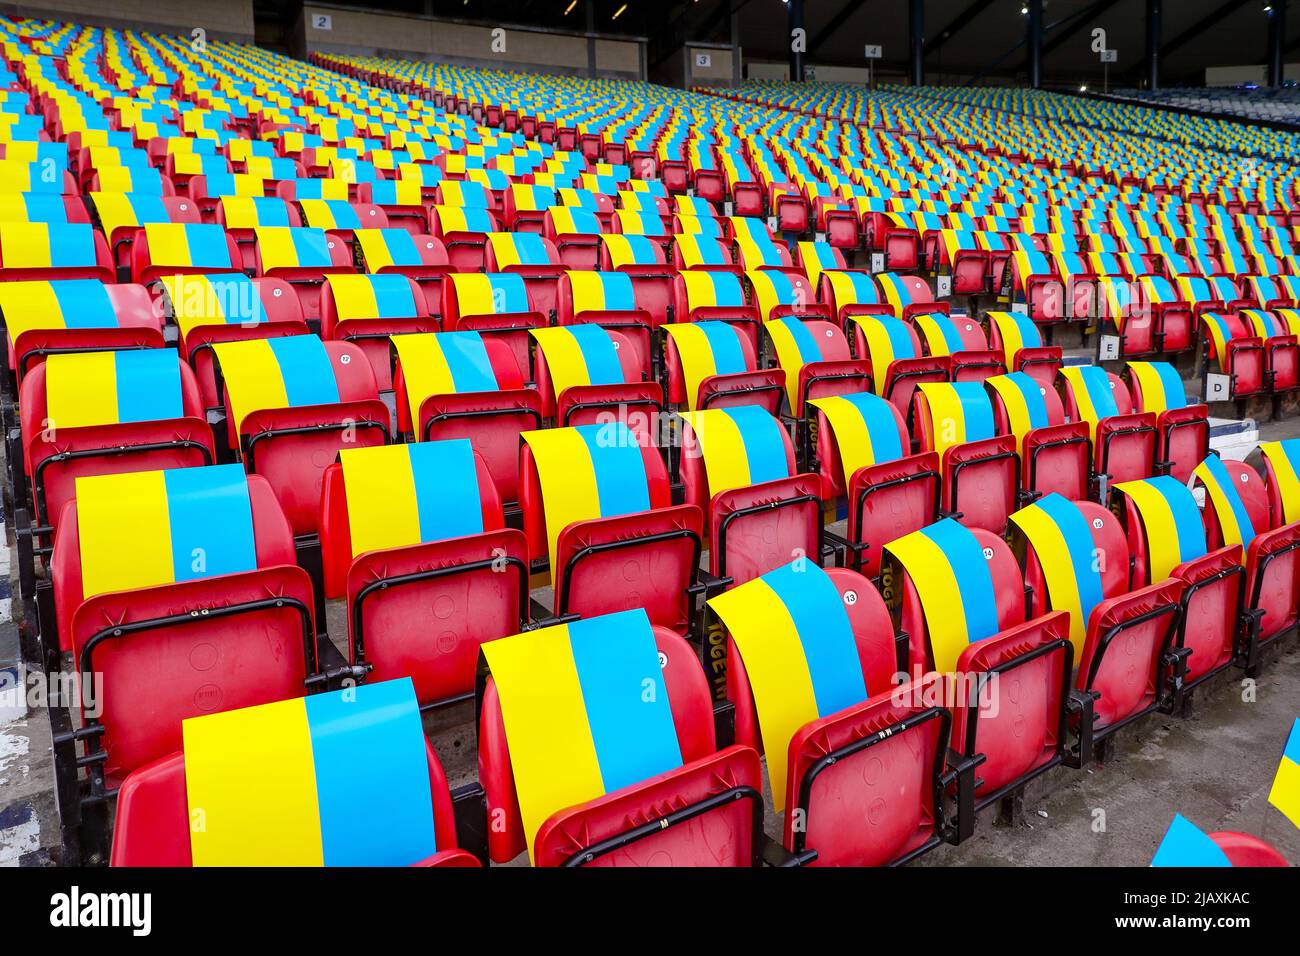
<point>717,73</point>
<point>222,19</point>
<point>1236,75</point>
<point>369,33</point>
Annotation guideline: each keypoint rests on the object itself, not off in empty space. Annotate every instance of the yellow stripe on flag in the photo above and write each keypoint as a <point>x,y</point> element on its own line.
<point>224,752</point>
<point>125,532</point>
<point>696,357</point>
<point>424,371</point>
<point>382,508</point>
<point>552,753</point>
<point>568,480</point>
<point>253,378</point>
<point>81,389</point>
<point>945,614</point>
<point>777,667</point>
<point>723,448</point>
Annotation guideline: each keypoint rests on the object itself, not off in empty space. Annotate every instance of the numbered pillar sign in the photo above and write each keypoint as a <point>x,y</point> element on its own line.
<point>1110,56</point>
<point>874,51</point>
<point>877,262</point>
<point>771,223</point>
<point>943,287</point>
<point>1020,307</point>
<point>1218,387</point>
<point>727,208</point>
<point>322,21</point>
<point>704,60</point>
<point>1108,348</point>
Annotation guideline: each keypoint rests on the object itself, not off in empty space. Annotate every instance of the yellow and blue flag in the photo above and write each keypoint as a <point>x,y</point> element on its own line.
<point>1284,457</point>
<point>1162,387</point>
<point>384,248</point>
<point>579,355</point>
<point>1093,393</point>
<point>402,495</point>
<point>947,567</point>
<point>59,304</point>
<point>706,349</point>
<point>1061,538</point>
<point>149,528</point>
<point>336,779</point>
<point>1016,331</point>
<point>284,372</point>
<point>1235,525</point>
<point>1171,519</point>
<point>1285,794</point>
<point>742,445</point>
<point>108,388</point>
<point>865,429</point>
<point>588,472</point>
<point>585,711</point>
<point>1186,844</point>
<point>794,636</point>
<point>386,296</point>
<point>189,244</point>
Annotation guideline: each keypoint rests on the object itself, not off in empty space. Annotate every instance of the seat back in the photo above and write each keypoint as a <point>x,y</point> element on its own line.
<point>525,740</point>
<point>367,309</point>
<point>815,358</point>
<point>136,558</point>
<point>1281,468</point>
<point>1124,442</point>
<point>893,352</point>
<point>153,808</point>
<point>713,364</point>
<point>923,573</point>
<point>1054,454</point>
<point>810,664</point>
<point>90,413</point>
<point>597,502</point>
<point>292,404</point>
<point>1163,524</point>
<point>980,469</point>
<point>1184,429</point>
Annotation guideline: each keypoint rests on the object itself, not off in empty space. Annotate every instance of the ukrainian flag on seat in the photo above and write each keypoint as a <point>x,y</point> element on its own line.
<point>151,528</point>
<point>188,245</point>
<point>335,779</point>
<point>286,372</point>
<point>577,718</point>
<point>741,446</point>
<point>109,388</point>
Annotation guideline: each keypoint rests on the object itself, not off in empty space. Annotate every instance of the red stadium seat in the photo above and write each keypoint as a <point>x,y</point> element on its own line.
<point>367,309</point>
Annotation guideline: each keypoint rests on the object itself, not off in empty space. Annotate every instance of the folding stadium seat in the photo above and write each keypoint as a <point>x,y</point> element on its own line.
<point>401,201</point>
<point>856,763</point>
<point>596,501</point>
<point>755,247</point>
<point>703,295</point>
<point>525,207</point>
<point>849,293</point>
<point>862,451</point>
<point>367,309</point>
<point>960,340</point>
<point>422,258</point>
<point>209,190</point>
<point>1167,540</point>
<point>576,235</point>
<point>1232,342</point>
<point>161,249</point>
<point>1055,455</point>
<point>466,385</point>
<point>38,250</point>
<point>587,373</point>
<point>653,791</point>
<point>303,257</point>
<point>888,234</point>
<point>815,258</point>
<point>967,265</point>
<point>1033,276</point>
<point>785,293</point>
<point>1238,535</point>
<point>178,590</point>
<point>607,299</point>
<point>1280,332</point>
<point>498,304</point>
<point>463,233</point>
<point>1124,443</point>
<point>979,466</point>
<point>535,258</point>
<point>181,167</point>
<point>712,364</point>
<point>1211,294</point>
<point>43,317</point>
<point>739,467</point>
<point>340,219</point>
<point>376,776</point>
<point>406,528</point>
<point>1014,713</point>
<point>1076,559</point>
<point>121,216</point>
<point>701,252</point>
<point>815,357</point>
<point>1016,336</point>
<point>140,181</point>
<point>242,216</point>
<point>1184,429</point>
<point>893,350</point>
<point>292,403</point>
